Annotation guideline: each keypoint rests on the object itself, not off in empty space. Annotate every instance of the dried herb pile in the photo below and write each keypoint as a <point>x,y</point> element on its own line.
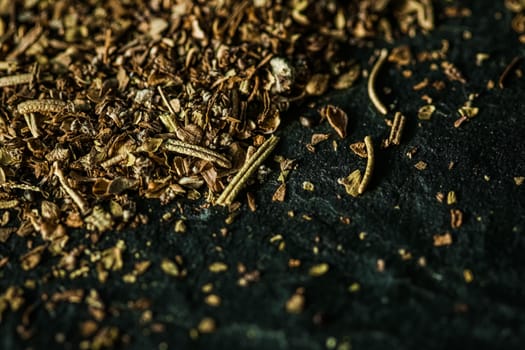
<point>102,100</point>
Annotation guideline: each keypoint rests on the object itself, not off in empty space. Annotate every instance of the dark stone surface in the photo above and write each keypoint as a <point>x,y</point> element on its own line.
<point>406,306</point>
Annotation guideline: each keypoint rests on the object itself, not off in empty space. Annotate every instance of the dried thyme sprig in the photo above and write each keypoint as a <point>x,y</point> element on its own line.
<point>197,151</point>
<point>247,170</point>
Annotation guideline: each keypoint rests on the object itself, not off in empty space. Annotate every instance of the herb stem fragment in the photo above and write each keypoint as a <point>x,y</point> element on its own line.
<point>17,79</point>
<point>8,204</point>
<point>79,201</point>
<point>369,165</point>
<point>507,70</point>
<point>246,171</point>
<point>42,106</point>
<point>197,152</point>
<point>396,130</point>
<point>372,82</point>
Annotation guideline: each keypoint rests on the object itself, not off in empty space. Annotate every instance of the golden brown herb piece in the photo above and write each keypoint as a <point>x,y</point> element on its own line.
<point>456,218</point>
<point>337,118</point>
<point>351,183</point>
<point>369,165</point>
<point>213,300</point>
<point>44,106</point>
<point>207,325</point>
<point>442,240</point>
<point>359,149</point>
<point>319,269</point>
<point>31,259</point>
<point>452,72</point>
<point>451,198</point>
<point>400,55</point>
<point>75,196</point>
<point>425,112</point>
<point>25,42</point>
<point>197,151</point>
<point>218,267</point>
<point>170,268</point>
<point>246,171</point>
<point>421,165</point>
<point>317,85</point>
<point>9,204</point>
<point>372,94</point>
<point>295,304</point>
<point>279,193</point>
<point>308,186</point>
<point>421,85</point>
<point>346,80</point>
<point>507,70</point>
<point>17,79</point>
<point>396,130</point>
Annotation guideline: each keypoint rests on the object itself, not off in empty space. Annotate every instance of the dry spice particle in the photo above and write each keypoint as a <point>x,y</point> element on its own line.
<point>396,130</point>
<point>246,171</point>
<point>213,300</point>
<point>12,298</point>
<point>295,304</point>
<point>425,112</point>
<point>318,138</point>
<point>346,80</point>
<point>308,186</point>
<point>207,288</point>
<point>280,193</point>
<point>317,85</point>
<point>9,204</point>
<point>400,55</point>
<point>442,240</point>
<point>359,149</point>
<point>252,205</point>
<point>294,263</point>
<point>451,198</point>
<point>354,287</point>
<point>207,325</point>
<point>421,165</point>
<point>369,165</point>
<point>351,183</point>
<point>32,258</point>
<point>405,255</point>
<point>456,218</point>
<point>421,85</point>
<point>218,267</point>
<point>380,265</point>
<point>180,226</point>
<point>337,118</point>
<point>519,180</point>
<point>169,267</point>
<point>318,270</point>
<point>507,70</point>
<point>452,72</point>
<point>468,276</point>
